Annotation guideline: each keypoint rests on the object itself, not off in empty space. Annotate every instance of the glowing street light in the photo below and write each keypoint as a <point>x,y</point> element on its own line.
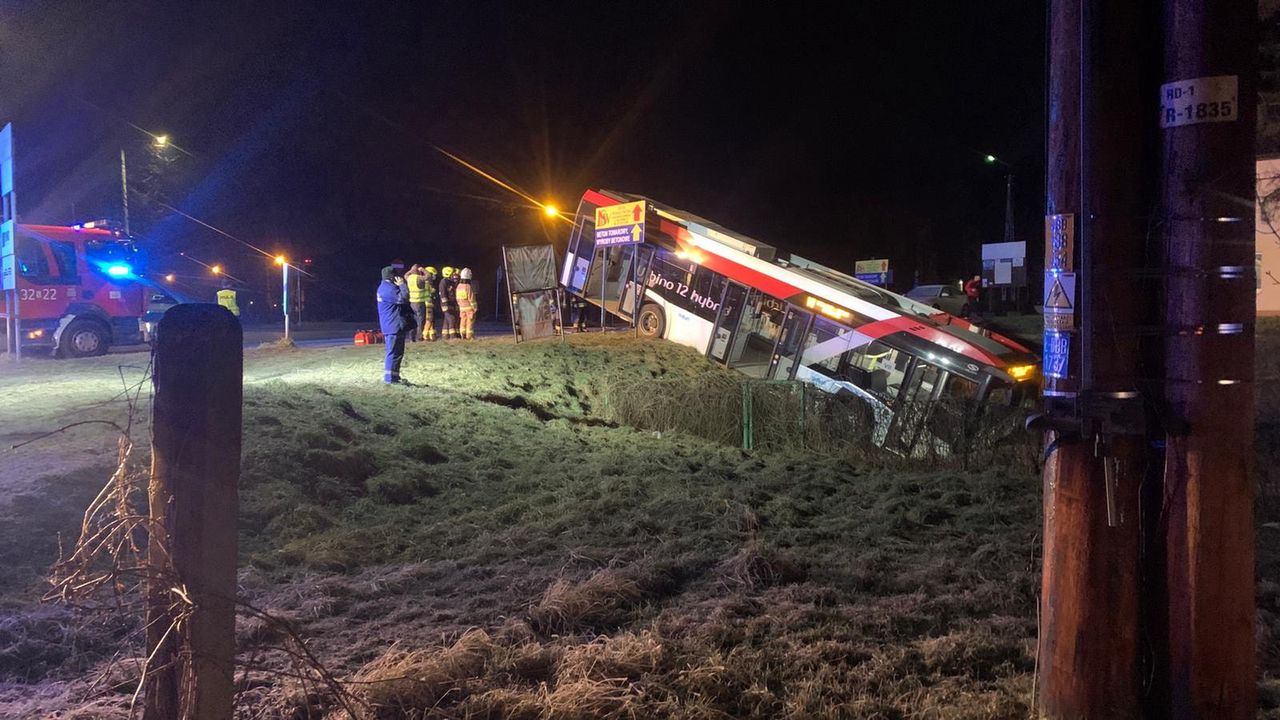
<point>169,278</point>
<point>162,141</point>
<point>283,262</point>
<point>550,210</point>
<point>1008,194</point>
<point>216,269</point>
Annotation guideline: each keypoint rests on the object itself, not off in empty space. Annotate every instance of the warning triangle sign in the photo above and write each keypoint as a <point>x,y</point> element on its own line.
<point>1057,298</point>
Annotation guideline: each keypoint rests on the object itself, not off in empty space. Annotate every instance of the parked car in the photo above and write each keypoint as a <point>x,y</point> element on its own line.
<point>947,298</point>
<point>160,300</point>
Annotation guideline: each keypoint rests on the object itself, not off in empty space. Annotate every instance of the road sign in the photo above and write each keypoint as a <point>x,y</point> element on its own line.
<point>863,267</point>
<point>881,279</point>
<point>621,224</point>
<point>8,264</point>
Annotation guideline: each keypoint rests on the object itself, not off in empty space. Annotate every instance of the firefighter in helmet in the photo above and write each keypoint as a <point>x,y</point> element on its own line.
<point>448,304</point>
<point>432,280</point>
<point>465,294</point>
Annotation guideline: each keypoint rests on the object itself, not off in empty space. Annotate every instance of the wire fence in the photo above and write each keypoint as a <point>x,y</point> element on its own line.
<point>772,415</point>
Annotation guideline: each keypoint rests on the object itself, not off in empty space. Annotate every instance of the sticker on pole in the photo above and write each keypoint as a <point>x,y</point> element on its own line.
<point>1059,301</point>
<point>1060,241</point>
<point>1199,100</point>
<point>1057,355</point>
<point>620,224</point>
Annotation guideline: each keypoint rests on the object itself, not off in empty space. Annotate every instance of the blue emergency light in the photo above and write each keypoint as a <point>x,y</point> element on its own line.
<point>119,270</point>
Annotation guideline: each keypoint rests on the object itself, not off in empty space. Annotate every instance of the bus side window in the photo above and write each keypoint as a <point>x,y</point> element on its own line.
<point>827,344</point>
<point>706,283</point>
<point>667,270</point>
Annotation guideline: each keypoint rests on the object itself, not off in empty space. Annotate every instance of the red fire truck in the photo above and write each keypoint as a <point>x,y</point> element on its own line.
<point>77,290</point>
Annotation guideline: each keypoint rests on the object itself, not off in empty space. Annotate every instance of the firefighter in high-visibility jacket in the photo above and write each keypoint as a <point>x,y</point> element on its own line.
<point>465,294</point>
<point>448,304</point>
<point>433,278</point>
<point>419,302</point>
<point>227,298</point>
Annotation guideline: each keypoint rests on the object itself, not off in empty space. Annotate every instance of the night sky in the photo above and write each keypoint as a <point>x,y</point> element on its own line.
<point>836,132</point>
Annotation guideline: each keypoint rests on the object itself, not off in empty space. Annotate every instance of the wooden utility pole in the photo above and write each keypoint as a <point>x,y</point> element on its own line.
<point>195,467</point>
<point>1207,116</point>
<point>1101,153</point>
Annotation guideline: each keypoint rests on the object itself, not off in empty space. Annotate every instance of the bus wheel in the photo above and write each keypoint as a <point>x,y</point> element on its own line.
<point>652,320</point>
<point>83,338</point>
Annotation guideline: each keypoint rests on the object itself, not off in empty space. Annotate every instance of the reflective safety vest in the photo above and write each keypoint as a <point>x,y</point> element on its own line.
<point>227,299</point>
<point>466,296</point>
<point>418,290</point>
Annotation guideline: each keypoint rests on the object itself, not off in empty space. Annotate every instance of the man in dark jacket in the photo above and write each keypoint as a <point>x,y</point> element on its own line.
<point>395,318</point>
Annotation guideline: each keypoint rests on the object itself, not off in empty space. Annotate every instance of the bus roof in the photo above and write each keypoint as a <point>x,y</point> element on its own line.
<point>784,276</point>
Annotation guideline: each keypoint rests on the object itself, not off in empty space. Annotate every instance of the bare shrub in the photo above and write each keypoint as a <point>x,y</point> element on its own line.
<point>709,408</point>
<point>759,565</point>
<point>401,682</point>
<point>973,653</point>
<point>587,699</point>
<point>626,656</point>
<point>502,704</point>
<point>604,600</point>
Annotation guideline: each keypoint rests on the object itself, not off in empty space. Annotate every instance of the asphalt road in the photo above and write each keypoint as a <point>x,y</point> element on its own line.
<point>306,335</point>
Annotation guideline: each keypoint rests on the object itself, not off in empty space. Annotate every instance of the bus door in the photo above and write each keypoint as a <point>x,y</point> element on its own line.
<point>791,343</point>
<point>582,252</point>
<point>922,386</point>
<point>727,317</point>
<point>610,277</point>
<point>642,256</point>
<point>753,341</point>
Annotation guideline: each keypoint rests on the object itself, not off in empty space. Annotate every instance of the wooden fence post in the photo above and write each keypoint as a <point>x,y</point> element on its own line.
<point>197,372</point>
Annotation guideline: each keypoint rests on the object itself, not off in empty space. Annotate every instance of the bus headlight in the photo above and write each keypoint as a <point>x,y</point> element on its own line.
<point>1022,372</point>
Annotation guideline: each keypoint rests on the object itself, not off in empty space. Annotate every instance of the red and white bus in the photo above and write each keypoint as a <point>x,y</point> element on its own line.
<point>744,305</point>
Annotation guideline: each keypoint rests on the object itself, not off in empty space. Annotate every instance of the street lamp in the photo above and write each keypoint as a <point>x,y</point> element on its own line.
<point>169,278</point>
<point>284,299</point>
<point>216,269</point>
<point>162,141</point>
<point>1008,194</point>
<point>550,210</point>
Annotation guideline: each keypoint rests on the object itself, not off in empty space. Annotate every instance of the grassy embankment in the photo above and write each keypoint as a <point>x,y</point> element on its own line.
<point>492,544</point>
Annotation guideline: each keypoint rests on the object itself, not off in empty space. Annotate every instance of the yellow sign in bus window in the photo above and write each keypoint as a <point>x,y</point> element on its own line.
<point>826,308</point>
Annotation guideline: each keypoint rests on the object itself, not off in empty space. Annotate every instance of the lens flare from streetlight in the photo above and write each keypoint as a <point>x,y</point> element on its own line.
<point>550,210</point>
<point>162,140</point>
<point>279,259</point>
<point>990,159</point>
<point>169,278</point>
<point>216,269</point>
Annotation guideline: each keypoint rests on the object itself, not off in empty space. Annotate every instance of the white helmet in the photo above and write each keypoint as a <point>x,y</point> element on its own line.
<point>466,274</point>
